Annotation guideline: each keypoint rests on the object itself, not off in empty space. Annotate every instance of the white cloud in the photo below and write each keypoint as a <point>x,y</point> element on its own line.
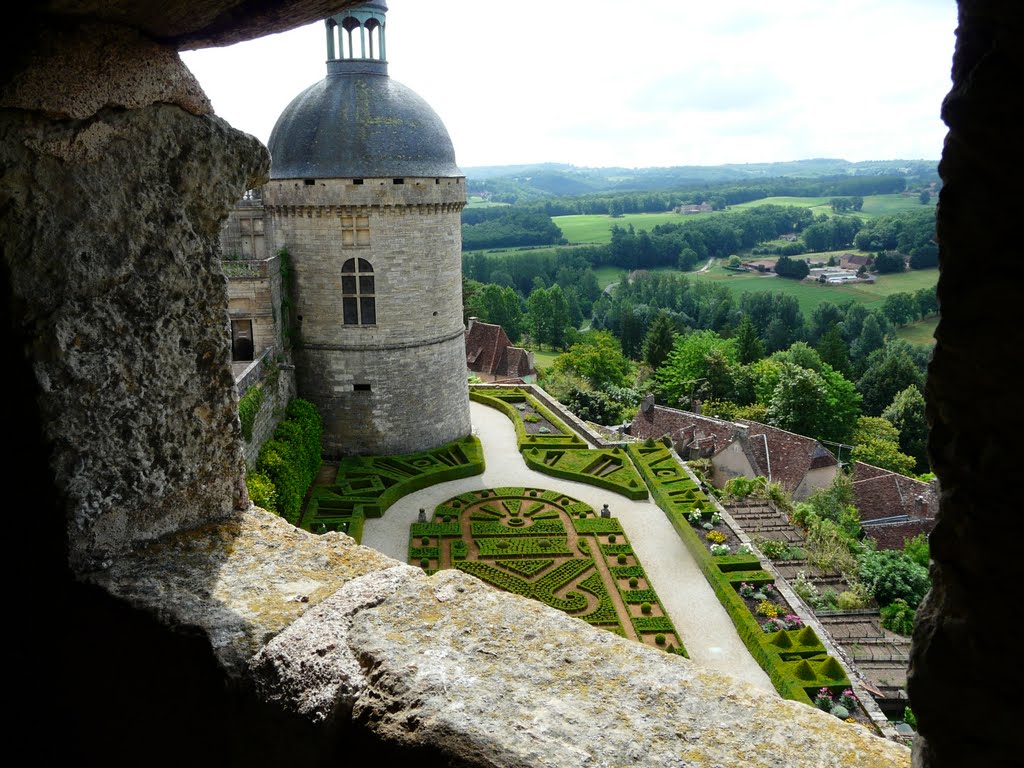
<point>596,82</point>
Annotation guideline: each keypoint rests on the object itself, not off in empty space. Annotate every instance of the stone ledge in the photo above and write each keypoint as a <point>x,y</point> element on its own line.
<point>339,634</point>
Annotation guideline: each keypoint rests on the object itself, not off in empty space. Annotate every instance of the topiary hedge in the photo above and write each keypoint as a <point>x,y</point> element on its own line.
<point>290,460</point>
<point>795,660</point>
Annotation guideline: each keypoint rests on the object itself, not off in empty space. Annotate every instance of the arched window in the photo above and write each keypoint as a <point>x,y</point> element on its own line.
<point>358,294</point>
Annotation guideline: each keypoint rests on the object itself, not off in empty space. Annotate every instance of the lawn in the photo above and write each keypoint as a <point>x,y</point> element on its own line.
<point>874,205</point>
<point>597,228</point>
<point>921,332</point>
<point>608,275</point>
<point>809,295</point>
<point>544,359</point>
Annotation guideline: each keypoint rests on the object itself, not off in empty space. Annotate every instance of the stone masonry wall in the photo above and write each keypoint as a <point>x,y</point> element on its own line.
<point>412,359</point>
<point>278,391</point>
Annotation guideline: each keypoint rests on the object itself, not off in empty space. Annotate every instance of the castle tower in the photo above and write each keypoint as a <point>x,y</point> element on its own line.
<point>365,196</point>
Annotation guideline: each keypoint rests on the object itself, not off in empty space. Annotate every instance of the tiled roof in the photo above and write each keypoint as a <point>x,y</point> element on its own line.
<point>790,456</point>
<point>880,493</point>
<point>489,351</point>
<point>783,456</point>
<point>893,535</point>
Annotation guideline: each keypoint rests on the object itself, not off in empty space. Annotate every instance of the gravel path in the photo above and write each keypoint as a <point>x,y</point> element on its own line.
<point>707,631</point>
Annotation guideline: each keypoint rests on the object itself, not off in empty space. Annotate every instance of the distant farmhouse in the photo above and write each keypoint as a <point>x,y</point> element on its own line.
<point>491,356</point>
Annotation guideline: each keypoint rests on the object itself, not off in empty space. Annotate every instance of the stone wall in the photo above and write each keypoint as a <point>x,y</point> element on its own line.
<point>397,385</point>
<point>257,297</point>
<point>278,391</point>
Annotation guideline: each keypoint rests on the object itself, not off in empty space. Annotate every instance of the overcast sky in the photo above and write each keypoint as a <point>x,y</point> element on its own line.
<point>655,83</point>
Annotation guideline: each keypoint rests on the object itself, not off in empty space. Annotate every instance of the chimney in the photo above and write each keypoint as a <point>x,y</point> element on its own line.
<point>696,407</point>
<point>472,322</point>
<point>920,508</point>
<point>647,406</point>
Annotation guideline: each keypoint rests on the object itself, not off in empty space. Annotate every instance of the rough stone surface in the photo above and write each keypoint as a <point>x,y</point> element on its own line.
<point>110,228</point>
<point>240,581</point>
<point>77,71</point>
<point>960,690</point>
<point>491,679</point>
<point>199,23</point>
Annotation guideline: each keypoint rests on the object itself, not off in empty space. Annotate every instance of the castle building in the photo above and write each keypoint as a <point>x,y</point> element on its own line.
<point>365,197</point>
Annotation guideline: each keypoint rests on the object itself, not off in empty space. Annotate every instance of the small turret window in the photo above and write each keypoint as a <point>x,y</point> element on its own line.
<point>358,293</point>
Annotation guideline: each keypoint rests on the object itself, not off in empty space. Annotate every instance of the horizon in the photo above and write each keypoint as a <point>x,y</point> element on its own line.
<point>595,86</point>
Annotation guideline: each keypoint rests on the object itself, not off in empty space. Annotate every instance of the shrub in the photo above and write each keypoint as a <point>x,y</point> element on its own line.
<point>773,549</point>
<point>621,559</point>
<point>659,639</point>
<point>892,575</point>
<point>424,562</point>
<point>917,549</point>
<point>425,540</point>
<point>261,491</point>
<point>823,700</point>
<point>633,582</point>
<point>248,408</point>
<point>611,538</point>
<point>645,608</point>
<point>898,617</point>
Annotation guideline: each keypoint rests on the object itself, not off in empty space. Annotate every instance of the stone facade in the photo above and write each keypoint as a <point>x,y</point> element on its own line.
<point>397,384</point>
<point>278,391</point>
<point>254,306</point>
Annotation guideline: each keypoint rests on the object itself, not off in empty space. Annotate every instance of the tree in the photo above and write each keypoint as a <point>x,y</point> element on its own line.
<point>900,308</point>
<point>598,359</point>
<point>832,350</point>
<point>538,309</point>
<point>659,340</point>
<point>798,401</point>
<point>687,362</point>
<point>595,407</point>
<point>889,262</point>
<point>876,442</point>
<point>906,414</point>
<point>560,317</point>
<point>870,339</point>
<point>925,197</point>
<point>748,345</point>
<point>888,373</point>
<point>631,331</point>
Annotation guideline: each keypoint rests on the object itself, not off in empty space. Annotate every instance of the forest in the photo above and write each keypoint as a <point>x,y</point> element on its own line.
<point>834,370</point>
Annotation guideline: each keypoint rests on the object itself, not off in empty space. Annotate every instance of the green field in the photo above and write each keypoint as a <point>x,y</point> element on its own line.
<point>809,295</point>
<point>608,275</point>
<point>597,228</point>
<point>874,205</point>
<point>544,359</point>
<point>921,332</point>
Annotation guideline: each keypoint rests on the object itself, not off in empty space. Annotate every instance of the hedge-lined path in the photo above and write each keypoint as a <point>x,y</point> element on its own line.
<point>705,628</point>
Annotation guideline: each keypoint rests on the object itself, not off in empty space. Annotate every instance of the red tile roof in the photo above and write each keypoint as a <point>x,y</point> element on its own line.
<point>880,493</point>
<point>784,457</point>
<point>489,351</point>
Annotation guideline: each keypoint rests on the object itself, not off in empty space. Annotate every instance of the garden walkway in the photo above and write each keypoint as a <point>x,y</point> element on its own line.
<point>707,631</point>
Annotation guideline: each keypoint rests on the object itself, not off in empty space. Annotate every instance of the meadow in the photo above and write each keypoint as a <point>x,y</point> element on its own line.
<point>809,295</point>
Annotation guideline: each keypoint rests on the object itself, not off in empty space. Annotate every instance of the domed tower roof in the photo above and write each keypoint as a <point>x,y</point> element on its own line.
<point>358,122</point>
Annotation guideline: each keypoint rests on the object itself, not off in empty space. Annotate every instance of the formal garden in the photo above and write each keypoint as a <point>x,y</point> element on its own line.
<point>550,547</point>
